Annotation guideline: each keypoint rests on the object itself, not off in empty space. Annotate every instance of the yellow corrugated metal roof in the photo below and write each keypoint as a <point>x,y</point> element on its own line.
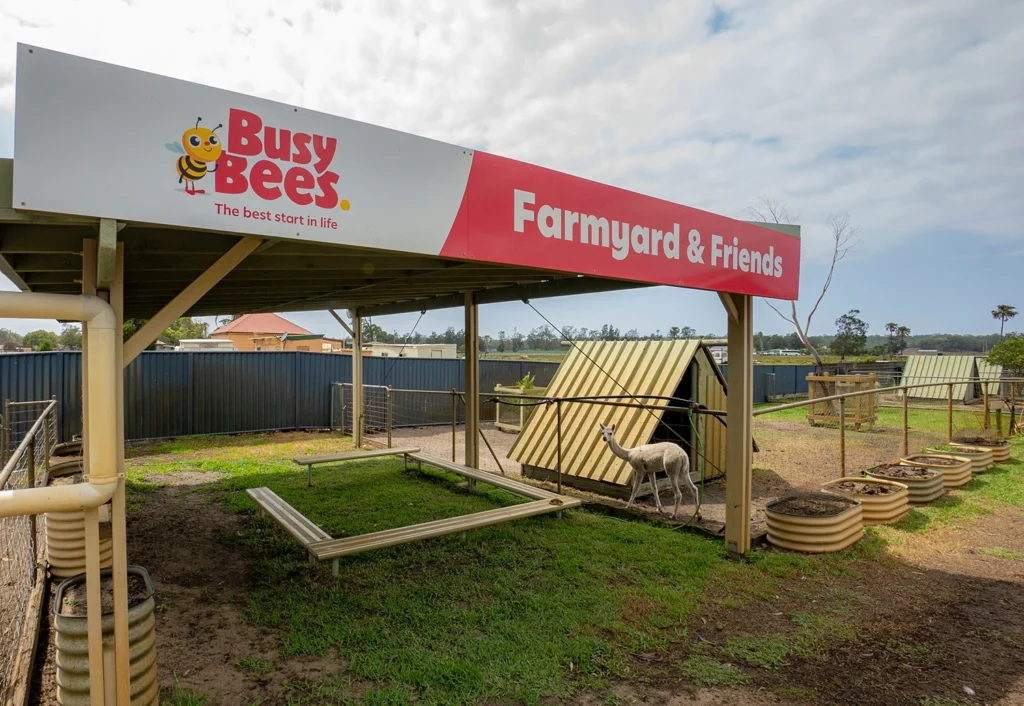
<point>989,371</point>
<point>921,369</point>
<point>604,368</point>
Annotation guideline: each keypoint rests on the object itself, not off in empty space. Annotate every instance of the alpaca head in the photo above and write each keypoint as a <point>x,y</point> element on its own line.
<point>607,433</point>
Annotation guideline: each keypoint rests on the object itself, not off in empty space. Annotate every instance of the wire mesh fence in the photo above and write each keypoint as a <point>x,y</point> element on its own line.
<point>29,431</point>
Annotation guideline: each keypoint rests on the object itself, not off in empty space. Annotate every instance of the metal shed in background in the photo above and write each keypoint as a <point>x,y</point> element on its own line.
<point>682,369</point>
<point>941,369</point>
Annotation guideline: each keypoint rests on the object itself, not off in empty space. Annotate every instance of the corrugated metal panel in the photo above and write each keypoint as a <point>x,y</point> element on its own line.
<point>170,394</point>
<point>604,368</point>
<point>922,369</point>
<point>989,371</point>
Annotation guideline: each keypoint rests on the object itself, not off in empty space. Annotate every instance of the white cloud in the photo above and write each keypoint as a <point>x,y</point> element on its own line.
<point>923,97</point>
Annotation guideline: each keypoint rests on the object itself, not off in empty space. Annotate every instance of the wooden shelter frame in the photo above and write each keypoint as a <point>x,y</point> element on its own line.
<point>160,273</point>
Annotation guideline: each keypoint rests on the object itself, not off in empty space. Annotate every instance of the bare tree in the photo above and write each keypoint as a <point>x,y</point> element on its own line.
<point>844,239</point>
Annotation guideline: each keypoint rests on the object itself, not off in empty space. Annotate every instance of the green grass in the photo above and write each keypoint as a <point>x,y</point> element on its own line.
<point>255,666</point>
<point>179,696</point>
<point>930,420</point>
<point>764,652</point>
<point>521,610</point>
<point>1001,553</point>
<point>529,609</point>
<point>705,671</point>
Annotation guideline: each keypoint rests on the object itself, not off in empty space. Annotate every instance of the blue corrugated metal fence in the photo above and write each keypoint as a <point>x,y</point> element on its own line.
<point>170,394</point>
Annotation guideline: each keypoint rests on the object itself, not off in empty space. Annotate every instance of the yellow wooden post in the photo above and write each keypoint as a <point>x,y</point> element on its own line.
<point>118,513</point>
<point>906,431</point>
<point>949,413</point>
<point>984,393</point>
<point>93,609</point>
<point>357,380</point>
<point>842,438</point>
<point>472,381</point>
<point>739,434</point>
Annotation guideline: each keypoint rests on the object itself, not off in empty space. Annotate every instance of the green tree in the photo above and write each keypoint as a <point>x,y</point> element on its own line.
<point>1003,313</point>
<point>8,336</point>
<point>46,345</point>
<point>35,339</point>
<point>185,327</point>
<point>851,334</point>
<point>673,333</point>
<point>902,332</point>
<point>891,328</point>
<point>71,338</point>
<point>1009,353</point>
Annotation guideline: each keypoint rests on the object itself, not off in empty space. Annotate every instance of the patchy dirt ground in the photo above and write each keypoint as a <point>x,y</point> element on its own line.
<point>936,620</point>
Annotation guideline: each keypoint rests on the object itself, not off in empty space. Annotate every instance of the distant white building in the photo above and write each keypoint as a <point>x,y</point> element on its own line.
<point>205,344</point>
<point>720,354</point>
<point>783,351</point>
<point>411,350</point>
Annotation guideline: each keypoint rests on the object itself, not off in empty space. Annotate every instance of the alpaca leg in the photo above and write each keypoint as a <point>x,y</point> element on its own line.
<point>654,488</point>
<point>637,478</point>
<point>677,494</point>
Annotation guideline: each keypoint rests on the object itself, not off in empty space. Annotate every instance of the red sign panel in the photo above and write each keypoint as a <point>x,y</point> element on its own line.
<point>518,213</point>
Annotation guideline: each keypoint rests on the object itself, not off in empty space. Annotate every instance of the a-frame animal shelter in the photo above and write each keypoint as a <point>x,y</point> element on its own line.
<point>652,372</point>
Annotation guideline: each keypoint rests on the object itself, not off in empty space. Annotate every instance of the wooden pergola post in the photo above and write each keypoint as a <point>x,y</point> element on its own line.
<point>472,382</point>
<point>357,379</point>
<point>739,444</point>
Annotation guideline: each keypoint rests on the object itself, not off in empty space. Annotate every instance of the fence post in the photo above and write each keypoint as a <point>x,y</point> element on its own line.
<point>7,429</point>
<point>558,441</point>
<point>455,414</point>
<point>387,401</point>
<point>949,413</point>
<point>984,394</point>
<point>1013,409</point>
<point>30,481</point>
<point>906,431</point>
<point>46,438</point>
<point>999,421</point>
<point>842,437</point>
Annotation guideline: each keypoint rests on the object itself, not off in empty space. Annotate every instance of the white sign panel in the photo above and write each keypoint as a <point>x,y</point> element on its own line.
<point>95,139</point>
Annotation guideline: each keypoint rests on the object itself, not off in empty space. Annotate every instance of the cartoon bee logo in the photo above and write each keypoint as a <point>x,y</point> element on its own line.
<point>199,147</point>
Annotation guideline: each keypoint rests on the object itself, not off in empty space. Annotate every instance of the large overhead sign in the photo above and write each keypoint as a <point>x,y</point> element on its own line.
<point>100,140</point>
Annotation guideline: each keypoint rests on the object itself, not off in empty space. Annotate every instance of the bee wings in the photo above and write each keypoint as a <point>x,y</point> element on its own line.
<point>174,147</point>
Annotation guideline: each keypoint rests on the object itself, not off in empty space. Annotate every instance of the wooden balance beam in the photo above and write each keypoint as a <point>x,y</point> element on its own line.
<point>322,547</point>
<point>310,461</point>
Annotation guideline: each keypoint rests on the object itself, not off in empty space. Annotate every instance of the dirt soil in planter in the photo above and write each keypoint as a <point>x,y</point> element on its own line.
<point>897,471</point>
<point>936,461</point>
<point>811,506</point>
<point>857,488</point>
<point>75,598</point>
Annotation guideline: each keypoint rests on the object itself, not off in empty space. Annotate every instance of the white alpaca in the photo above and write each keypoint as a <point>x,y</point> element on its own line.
<point>647,460</point>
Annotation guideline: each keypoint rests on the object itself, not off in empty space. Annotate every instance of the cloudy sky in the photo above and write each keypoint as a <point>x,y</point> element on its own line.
<point>907,115</point>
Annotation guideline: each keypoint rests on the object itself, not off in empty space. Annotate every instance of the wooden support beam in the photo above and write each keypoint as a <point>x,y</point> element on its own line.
<point>357,380</point>
<point>344,324</point>
<point>739,434</point>
<point>730,306</point>
<point>118,511</point>
<point>472,382</point>
<point>188,297</point>
<point>106,254</point>
<point>93,608</point>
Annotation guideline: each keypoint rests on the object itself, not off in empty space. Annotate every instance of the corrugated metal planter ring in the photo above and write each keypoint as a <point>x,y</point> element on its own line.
<point>952,476</point>
<point>1000,452</point>
<point>65,543</point>
<point>981,459</point>
<point>876,509</point>
<point>921,490</point>
<point>73,649</point>
<point>815,534</point>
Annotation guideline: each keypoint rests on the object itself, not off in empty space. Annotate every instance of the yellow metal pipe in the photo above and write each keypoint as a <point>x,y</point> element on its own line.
<point>100,323</point>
